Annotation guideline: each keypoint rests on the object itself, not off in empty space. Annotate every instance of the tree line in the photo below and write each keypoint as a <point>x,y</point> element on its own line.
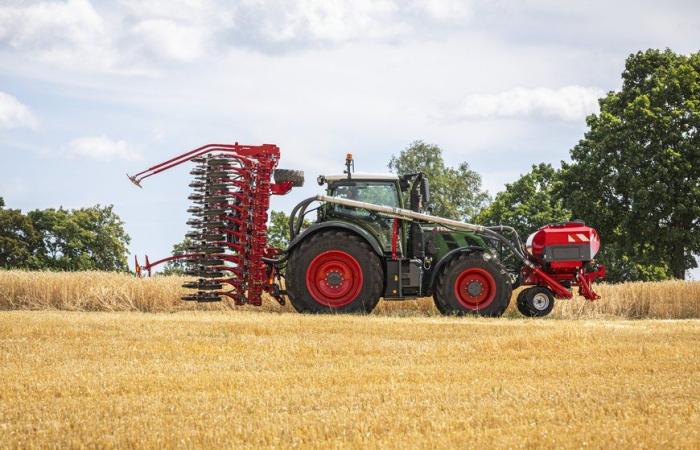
<point>60,239</point>
<point>634,176</point>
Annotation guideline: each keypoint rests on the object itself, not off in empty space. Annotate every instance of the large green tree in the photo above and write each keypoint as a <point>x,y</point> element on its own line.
<point>528,203</point>
<point>636,173</point>
<point>81,239</point>
<point>18,239</point>
<point>455,191</point>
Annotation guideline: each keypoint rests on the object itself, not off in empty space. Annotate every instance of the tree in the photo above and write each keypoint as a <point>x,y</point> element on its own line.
<point>278,230</point>
<point>528,203</point>
<point>636,173</point>
<point>18,239</point>
<point>455,192</point>
<point>81,239</point>
<point>177,266</point>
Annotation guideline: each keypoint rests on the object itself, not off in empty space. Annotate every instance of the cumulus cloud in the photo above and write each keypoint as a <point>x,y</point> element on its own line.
<point>13,113</point>
<point>102,148</point>
<point>131,35</point>
<point>280,25</point>
<point>55,31</point>
<point>569,103</point>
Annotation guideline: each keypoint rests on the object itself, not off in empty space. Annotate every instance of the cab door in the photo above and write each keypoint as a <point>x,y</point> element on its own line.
<point>383,193</point>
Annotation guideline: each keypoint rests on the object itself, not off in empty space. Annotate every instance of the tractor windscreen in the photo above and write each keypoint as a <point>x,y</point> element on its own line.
<point>377,193</point>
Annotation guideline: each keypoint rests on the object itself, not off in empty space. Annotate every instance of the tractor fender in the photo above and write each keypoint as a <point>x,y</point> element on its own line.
<point>315,228</point>
<point>447,258</point>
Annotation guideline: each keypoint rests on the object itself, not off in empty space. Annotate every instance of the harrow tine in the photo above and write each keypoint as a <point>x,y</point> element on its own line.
<point>202,297</point>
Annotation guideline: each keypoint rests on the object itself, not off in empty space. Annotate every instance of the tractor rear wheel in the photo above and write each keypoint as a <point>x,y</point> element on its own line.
<point>473,284</point>
<point>334,272</point>
<point>536,301</point>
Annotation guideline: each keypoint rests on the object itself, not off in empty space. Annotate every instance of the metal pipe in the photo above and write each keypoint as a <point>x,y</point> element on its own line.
<point>402,213</point>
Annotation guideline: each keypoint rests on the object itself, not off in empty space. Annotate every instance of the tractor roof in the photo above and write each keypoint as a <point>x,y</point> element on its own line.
<point>363,176</point>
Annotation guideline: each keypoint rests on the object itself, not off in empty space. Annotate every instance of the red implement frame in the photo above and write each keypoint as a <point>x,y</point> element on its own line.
<point>248,274</point>
<point>533,275</point>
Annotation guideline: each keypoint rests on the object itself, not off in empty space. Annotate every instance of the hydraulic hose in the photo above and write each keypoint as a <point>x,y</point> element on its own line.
<point>296,218</point>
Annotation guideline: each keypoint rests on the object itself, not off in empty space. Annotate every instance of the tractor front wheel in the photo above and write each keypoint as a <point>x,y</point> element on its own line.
<point>473,284</point>
<point>536,301</point>
<point>334,272</point>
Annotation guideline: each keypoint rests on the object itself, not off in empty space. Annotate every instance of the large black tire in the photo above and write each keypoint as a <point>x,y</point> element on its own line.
<point>473,284</point>
<point>536,301</point>
<point>334,272</point>
<point>295,176</point>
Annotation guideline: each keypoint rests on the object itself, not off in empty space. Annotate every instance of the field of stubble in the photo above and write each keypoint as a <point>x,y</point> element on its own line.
<point>98,360</point>
<point>246,379</point>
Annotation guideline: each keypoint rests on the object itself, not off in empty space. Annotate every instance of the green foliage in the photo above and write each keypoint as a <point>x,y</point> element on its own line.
<point>636,173</point>
<point>278,230</point>
<point>80,239</point>
<point>528,203</point>
<point>455,192</point>
<point>177,266</point>
<point>18,239</point>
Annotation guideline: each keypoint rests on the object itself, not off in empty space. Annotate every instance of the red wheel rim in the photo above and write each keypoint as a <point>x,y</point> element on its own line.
<point>334,278</point>
<point>475,288</point>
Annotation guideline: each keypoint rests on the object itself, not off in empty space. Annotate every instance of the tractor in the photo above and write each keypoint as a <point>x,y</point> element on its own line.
<point>373,237</point>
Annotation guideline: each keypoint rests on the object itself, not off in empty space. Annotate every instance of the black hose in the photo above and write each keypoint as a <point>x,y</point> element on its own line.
<point>511,230</point>
<point>294,226</point>
<point>507,242</point>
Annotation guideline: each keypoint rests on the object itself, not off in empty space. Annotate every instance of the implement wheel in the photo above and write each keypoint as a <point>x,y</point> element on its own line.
<point>295,176</point>
<point>535,301</point>
<point>334,272</point>
<point>472,284</point>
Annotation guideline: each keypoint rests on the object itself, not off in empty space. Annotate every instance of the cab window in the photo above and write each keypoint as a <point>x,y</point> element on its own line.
<point>384,194</point>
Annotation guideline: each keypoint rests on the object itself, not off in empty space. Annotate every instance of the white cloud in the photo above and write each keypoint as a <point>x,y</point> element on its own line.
<point>13,113</point>
<point>445,10</point>
<point>570,103</point>
<point>323,20</point>
<point>133,36</point>
<point>279,24</point>
<point>61,32</point>
<point>169,40</point>
<point>102,148</point>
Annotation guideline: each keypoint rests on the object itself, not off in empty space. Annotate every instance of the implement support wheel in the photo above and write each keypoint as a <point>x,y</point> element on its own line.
<point>536,301</point>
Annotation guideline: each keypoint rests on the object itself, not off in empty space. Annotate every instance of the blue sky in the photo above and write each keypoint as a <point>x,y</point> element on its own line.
<point>90,90</point>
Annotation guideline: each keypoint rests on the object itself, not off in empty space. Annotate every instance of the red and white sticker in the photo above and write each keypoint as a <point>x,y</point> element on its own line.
<point>578,238</point>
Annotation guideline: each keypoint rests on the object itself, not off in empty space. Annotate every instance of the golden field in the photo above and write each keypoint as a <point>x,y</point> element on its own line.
<point>82,366</point>
<point>100,291</point>
<point>223,379</point>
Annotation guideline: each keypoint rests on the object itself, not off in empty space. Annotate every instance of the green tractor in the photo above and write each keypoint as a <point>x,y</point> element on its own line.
<point>351,257</point>
<point>374,237</point>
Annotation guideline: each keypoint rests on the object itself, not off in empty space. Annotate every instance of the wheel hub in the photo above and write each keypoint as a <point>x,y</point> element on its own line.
<point>334,279</point>
<point>540,301</point>
<point>474,288</point>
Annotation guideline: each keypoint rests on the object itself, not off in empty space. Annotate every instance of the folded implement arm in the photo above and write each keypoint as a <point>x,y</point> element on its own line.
<point>232,187</point>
